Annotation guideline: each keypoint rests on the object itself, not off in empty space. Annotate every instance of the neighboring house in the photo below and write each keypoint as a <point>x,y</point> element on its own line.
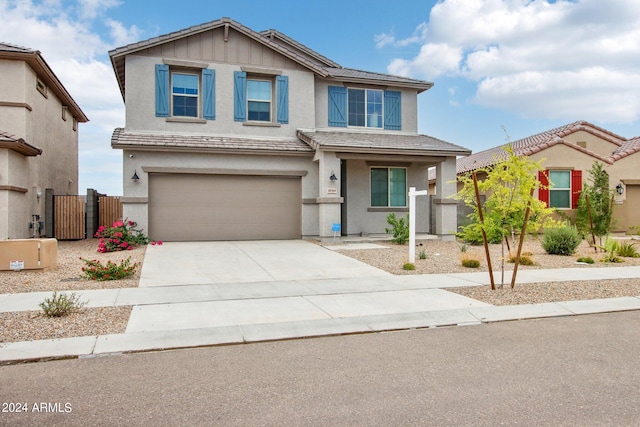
<point>38,140</point>
<point>567,154</point>
<point>233,134</point>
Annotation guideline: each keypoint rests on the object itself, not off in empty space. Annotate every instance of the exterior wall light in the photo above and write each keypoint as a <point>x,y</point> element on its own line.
<point>619,189</point>
<point>333,177</point>
<point>135,177</point>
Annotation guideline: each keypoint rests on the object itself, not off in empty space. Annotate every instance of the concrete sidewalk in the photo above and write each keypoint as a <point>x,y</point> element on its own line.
<point>230,313</point>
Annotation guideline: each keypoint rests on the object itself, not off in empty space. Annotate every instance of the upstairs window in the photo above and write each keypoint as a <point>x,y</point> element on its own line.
<point>365,108</point>
<point>259,100</point>
<point>184,94</point>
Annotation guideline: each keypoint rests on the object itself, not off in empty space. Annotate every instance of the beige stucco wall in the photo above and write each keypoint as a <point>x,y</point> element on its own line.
<point>596,144</point>
<point>140,101</point>
<point>42,127</point>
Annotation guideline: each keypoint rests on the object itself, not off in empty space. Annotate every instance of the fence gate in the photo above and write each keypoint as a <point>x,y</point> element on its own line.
<point>69,217</point>
<point>110,210</point>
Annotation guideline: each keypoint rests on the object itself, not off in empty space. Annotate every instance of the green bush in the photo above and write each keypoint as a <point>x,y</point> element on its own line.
<point>409,266</point>
<point>94,269</point>
<point>586,260</point>
<point>61,304</point>
<point>524,260</point>
<point>472,234</point>
<point>561,240</point>
<point>470,263</point>
<point>627,250</point>
<point>400,228</point>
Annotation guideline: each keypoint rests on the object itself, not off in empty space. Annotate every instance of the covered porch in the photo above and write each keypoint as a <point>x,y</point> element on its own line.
<point>363,177</point>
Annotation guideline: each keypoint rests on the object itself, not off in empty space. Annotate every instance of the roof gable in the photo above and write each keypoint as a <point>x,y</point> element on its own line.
<point>541,141</point>
<point>281,44</point>
<point>226,24</point>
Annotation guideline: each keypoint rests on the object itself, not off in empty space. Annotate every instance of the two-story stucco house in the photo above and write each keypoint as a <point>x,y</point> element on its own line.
<point>233,134</point>
<point>38,140</point>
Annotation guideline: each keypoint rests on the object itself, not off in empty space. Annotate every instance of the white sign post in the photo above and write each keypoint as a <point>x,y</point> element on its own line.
<point>412,221</point>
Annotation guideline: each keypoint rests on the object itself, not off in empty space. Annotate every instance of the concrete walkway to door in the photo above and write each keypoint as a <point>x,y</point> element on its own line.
<point>195,263</point>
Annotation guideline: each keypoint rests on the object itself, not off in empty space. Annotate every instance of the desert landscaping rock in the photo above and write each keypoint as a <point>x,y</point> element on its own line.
<point>441,258</point>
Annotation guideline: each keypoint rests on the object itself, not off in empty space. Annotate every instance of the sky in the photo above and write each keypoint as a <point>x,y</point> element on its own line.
<point>502,69</point>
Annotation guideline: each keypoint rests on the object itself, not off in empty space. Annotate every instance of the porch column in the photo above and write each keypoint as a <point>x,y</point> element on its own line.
<point>329,199</point>
<point>445,207</point>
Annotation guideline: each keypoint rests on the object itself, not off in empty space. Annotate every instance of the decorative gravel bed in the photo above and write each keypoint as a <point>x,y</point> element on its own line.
<point>441,257</point>
<point>444,257</point>
<point>33,325</point>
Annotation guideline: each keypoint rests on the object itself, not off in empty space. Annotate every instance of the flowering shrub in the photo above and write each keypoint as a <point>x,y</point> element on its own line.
<point>121,236</point>
<point>94,269</point>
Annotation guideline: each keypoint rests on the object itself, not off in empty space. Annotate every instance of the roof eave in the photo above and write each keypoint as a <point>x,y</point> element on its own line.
<point>42,69</point>
<point>420,87</point>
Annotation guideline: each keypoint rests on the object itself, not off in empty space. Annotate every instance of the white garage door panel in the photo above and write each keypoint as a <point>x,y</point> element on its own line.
<point>186,207</point>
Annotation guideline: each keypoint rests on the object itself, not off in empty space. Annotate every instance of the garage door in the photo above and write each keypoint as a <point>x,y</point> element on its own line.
<point>189,207</point>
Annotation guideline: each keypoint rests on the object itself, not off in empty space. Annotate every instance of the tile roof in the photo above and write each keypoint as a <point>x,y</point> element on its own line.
<point>231,144</point>
<point>7,47</point>
<point>629,147</point>
<point>351,74</point>
<point>275,35</point>
<point>19,145</point>
<point>381,143</point>
<point>538,142</point>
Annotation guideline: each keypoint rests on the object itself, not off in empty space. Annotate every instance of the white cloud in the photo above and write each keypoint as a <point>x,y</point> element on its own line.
<point>535,51</point>
<point>64,33</point>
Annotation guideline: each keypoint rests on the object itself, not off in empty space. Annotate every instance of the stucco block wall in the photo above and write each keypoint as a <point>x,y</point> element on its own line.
<point>43,127</point>
<point>593,143</point>
<point>357,198</point>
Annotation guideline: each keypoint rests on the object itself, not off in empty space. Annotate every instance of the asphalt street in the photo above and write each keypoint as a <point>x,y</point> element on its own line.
<point>579,370</point>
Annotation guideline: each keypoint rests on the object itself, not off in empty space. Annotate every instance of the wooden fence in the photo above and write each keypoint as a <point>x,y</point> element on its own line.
<point>78,217</point>
<point>109,210</point>
<point>69,217</point>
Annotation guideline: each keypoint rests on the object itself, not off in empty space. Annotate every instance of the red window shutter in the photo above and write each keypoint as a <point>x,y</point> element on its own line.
<point>576,188</point>
<point>543,193</point>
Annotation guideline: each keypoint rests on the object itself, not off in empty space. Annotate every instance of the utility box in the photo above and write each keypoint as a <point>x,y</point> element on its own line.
<point>28,254</point>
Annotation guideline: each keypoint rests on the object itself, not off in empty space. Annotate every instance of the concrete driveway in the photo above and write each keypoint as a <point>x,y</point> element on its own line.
<point>197,263</point>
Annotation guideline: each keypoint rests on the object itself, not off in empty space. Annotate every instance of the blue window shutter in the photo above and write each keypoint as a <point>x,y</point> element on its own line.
<point>162,90</point>
<point>338,106</point>
<point>282,94</point>
<point>209,94</point>
<point>392,111</point>
<point>240,96</point>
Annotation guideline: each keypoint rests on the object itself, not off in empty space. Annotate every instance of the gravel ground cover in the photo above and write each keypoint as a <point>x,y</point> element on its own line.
<point>33,325</point>
<point>445,257</point>
<point>441,257</point>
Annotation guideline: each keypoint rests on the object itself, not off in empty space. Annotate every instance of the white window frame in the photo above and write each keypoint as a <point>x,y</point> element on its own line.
<point>553,188</point>
<point>198,100</point>
<point>366,112</point>
<point>270,102</point>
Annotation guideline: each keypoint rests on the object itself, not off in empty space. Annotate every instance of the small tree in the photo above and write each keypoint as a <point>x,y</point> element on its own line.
<point>595,205</point>
<point>509,188</point>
